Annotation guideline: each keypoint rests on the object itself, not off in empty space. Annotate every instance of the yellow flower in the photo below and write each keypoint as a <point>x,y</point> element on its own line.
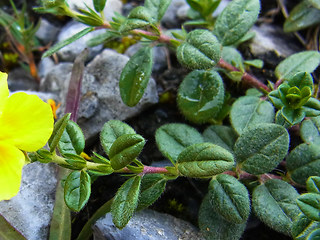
<point>26,123</point>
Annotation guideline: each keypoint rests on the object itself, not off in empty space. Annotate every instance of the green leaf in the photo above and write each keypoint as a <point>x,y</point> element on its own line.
<point>67,41</point>
<point>314,3</point>
<point>157,8</point>
<point>125,149</point>
<point>257,63</point>
<point>201,95</point>
<point>314,235</point>
<point>229,198</point>
<point>139,17</point>
<point>274,203</point>
<point>222,136</point>
<point>214,226</point>
<point>249,110</point>
<point>303,226</point>
<point>99,5</point>
<point>313,184</point>
<point>302,16</point>
<point>77,190</point>
<point>173,138</point>
<point>58,130</point>
<point>201,50</point>
<point>303,162</point>
<point>306,61</point>
<point>232,56</point>
<point>236,20</point>
<point>312,107</point>
<point>309,204</point>
<point>260,148</point>
<point>111,130</point>
<point>204,160</point>
<point>8,232</point>
<point>101,38</point>
<point>204,7</point>
<point>60,225</point>
<point>280,120</point>
<point>135,76</point>
<point>72,139</point>
<point>152,186</point>
<point>125,202</point>
<point>293,116</point>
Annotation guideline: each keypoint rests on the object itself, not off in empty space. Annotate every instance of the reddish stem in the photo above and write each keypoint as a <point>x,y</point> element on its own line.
<point>148,169</point>
<point>247,78</point>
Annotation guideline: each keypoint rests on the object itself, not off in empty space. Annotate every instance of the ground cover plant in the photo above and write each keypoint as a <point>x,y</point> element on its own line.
<point>245,150</point>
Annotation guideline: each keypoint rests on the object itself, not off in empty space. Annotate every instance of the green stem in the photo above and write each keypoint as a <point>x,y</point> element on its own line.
<point>86,231</point>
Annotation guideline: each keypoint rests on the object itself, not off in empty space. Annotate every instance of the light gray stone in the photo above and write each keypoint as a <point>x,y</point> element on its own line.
<point>71,51</point>
<point>110,7</point>
<point>30,211</point>
<point>100,94</point>
<point>45,65</point>
<point>270,38</point>
<point>159,56</point>
<point>146,225</point>
<point>170,18</point>
<point>47,33</point>
<point>20,79</point>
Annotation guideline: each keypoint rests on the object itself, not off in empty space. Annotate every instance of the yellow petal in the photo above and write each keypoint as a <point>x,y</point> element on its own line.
<point>4,91</point>
<point>11,163</point>
<point>26,122</point>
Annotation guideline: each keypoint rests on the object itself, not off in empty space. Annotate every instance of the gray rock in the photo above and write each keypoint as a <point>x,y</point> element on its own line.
<point>110,7</point>
<point>71,51</point>
<point>100,94</point>
<point>31,210</point>
<point>47,33</point>
<point>159,56</point>
<point>270,38</point>
<point>146,225</point>
<point>20,79</point>
<point>170,18</point>
<point>45,65</point>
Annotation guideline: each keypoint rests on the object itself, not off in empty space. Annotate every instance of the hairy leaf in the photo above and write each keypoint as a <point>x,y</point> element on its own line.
<point>201,50</point>
<point>214,226</point>
<point>249,110</point>
<point>309,204</point>
<point>306,61</point>
<point>303,162</point>
<point>313,184</point>
<point>111,131</point>
<point>260,148</point>
<point>135,76</point>
<point>236,20</point>
<point>157,8</point>
<point>77,190</point>
<point>230,198</point>
<point>274,203</point>
<point>125,149</point>
<point>201,95</point>
<point>58,130</point>
<point>303,226</point>
<point>222,136</point>
<point>310,130</point>
<point>173,138</point>
<point>139,17</point>
<point>204,160</point>
<point>125,202</point>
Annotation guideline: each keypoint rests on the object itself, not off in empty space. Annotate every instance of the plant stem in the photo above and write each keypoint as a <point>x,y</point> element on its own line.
<point>247,78</point>
<point>148,169</point>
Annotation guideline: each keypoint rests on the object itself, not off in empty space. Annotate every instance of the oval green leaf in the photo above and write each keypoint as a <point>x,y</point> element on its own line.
<point>313,184</point>
<point>260,148</point>
<point>72,139</point>
<point>125,149</point>
<point>314,235</point>
<point>139,17</point>
<point>201,50</point>
<point>214,226</point>
<point>152,186</point>
<point>230,198</point>
<point>310,130</point>
<point>303,162</point>
<point>77,190</point>
<point>173,138</point>
<point>125,202</point>
<point>274,203</point>
<point>204,160</point>
<point>135,76</point>
<point>111,131</point>
<point>236,20</point>
<point>99,5</point>
<point>157,8</point>
<point>222,136</point>
<point>58,130</point>
<point>309,204</point>
<point>249,110</point>
<point>306,61</point>
<point>201,95</point>
<point>303,226</point>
